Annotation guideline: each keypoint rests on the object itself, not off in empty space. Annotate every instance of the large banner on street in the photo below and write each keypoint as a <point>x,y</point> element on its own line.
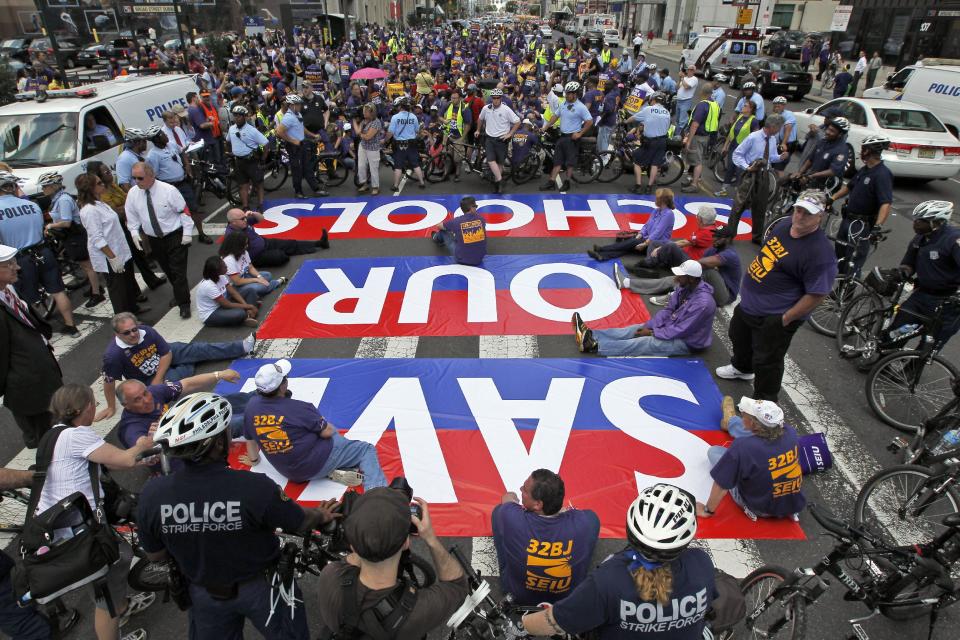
<point>435,296</point>
<point>515,216</point>
<point>464,432</point>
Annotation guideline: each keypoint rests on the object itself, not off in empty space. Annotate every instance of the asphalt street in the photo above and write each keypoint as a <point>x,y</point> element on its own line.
<point>821,393</point>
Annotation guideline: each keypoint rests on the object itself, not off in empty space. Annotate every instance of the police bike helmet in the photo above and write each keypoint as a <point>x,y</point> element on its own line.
<point>652,66</point>
<point>239,110</point>
<point>50,179</point>
<point>8,181</point>
<point>840,123</point>
<point>558,89</point>
<point>780,100</point>
<point>152,132</point>
<point>188,427</point>
<point>496,93</point>
<point>875,143</point>
<point>572,87</point>
<point>293,99</point>
<point>661,522</point>
<point>749,86</point>
<point>933,210</point>
<point>720,77</point>
<point>402,101</point>
<point>132,134</point>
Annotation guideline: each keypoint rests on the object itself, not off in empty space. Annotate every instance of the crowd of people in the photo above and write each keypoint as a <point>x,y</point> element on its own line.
<point>496,87</point>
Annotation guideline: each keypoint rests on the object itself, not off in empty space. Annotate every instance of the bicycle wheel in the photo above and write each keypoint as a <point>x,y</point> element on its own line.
<point>528,170</point>
<point>899,504</point>
<point>720,168</point>
<point>588,167</point>
<point>612,166</point>
<point>439,167</point>
<point>826,317</point>
<point>671,170</point>
<point>148,576</point>
<point>860,323</point>
<point>419,571</point>
<point>332,172</point>
<point>233,190</point>
<point>786,617</point>
<point>274,175</point>
<point>902,399</point>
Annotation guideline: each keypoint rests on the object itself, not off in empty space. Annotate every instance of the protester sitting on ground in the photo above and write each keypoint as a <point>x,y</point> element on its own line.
<point>219,304</point>
<point>240,270</point>
<point>669,254</point>
<point>269,252</point>
<point>534,533</point>
<point>656,229</point>
<point>761,468</point>
<point>139,352</point>
<point>464,236</point>
<point>721,270</point>
<point>685,326</point>
<point>298,441</point>
<point>77,447</point>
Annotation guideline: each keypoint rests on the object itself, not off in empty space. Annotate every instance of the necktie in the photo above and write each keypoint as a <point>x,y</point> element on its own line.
<point>154,222</point>
<point>16,306</point>
<point>177,138</point>
<point>766,149</point>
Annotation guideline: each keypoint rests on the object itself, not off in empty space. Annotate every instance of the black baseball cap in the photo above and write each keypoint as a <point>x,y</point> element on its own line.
<point>378,524</point>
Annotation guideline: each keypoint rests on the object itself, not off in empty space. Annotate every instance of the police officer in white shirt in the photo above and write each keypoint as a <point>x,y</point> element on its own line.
<point>170,165</point>
<point>575,120</point>
<point>655,120</point>
<point>157,208</point>
<point>245,143</point>
<point>499,122</point>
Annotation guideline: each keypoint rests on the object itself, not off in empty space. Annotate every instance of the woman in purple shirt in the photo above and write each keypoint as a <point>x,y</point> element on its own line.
<point>657,229</point>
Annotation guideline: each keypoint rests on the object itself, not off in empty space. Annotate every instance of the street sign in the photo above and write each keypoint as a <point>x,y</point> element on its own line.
<point>744,16</point>
<point>841,17</point>
<point>151,8</point>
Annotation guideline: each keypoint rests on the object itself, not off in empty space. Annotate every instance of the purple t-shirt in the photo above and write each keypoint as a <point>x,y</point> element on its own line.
<point>288,432</point>
<point>543,558</point>
<point>256,242</point>
<point>766,473</point>
<point>198,117</point>
<point>730,269</point>
<point>470,234</point>
<point>659,226</point>
<point>133,425</point>
<point>138,362</point>
<point>785,270</point>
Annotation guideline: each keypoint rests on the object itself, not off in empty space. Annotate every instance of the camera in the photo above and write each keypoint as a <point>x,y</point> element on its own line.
<point>335,528</point>
<point>400,484</point>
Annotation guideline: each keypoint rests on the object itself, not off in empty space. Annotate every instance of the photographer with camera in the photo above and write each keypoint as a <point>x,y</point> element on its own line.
<point>362,596</point>
<point>205,514</point>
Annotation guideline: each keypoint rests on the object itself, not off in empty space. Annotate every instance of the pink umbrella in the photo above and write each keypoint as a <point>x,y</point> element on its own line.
<point>369,73</point>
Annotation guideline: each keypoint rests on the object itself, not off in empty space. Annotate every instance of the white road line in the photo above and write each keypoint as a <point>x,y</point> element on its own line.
<point>483,554</point>
<point>217,211</point>
<point>397,347</point>
<point>276,349</point>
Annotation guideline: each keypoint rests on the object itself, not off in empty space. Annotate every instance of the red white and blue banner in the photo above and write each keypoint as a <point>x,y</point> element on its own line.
<point>515,216</point>
<point>435,296</point>
<point>466,431</point>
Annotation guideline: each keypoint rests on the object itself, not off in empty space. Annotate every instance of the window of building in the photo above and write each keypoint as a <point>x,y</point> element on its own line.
<point>782,15</point>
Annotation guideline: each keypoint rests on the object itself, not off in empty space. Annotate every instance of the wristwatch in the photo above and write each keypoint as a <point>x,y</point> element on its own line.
<point>707,510</point>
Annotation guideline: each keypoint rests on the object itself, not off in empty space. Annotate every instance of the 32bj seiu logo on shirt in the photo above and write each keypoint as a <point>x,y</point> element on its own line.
<point>767,259</point>
<point>548,566</point>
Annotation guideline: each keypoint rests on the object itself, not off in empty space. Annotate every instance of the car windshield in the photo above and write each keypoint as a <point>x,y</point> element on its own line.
<point>15,43</point>
<point>786,66</point>
<point>42,140</point>
<point>905,120</point>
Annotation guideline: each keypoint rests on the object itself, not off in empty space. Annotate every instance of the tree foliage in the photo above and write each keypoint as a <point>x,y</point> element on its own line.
<point>8,83</point>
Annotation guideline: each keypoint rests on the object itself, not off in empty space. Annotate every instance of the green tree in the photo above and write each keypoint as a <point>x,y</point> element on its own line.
<point>8,83</point>
<point>511,7</point>
<point>220,48</point>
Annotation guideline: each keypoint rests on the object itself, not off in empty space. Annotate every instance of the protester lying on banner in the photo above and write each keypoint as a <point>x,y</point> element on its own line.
<point>666,255</point>
<point>685,326</point>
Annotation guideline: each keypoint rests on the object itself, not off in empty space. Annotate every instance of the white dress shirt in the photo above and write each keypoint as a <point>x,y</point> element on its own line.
<point>168,204</point>
<point>103,230</point>
<point>175,133</point>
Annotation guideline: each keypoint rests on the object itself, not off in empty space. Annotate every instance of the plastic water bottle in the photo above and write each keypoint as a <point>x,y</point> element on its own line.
<point>903,330</point>
<point>949,440</point>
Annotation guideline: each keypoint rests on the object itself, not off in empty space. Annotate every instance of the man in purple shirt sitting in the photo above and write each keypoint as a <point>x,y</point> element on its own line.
<point>685,326</point>
<point>464,236</point>
<point>269,252</point>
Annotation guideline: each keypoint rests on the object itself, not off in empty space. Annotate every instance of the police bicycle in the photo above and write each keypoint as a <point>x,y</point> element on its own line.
<point>936,435</point>
<point>619,161</point>
<point>897,582</point>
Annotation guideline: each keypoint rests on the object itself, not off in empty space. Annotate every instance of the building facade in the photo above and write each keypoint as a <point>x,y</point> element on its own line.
<point>902,30</point>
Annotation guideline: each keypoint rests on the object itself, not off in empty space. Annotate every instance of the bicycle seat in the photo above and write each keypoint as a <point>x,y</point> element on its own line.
<point>952,521</point>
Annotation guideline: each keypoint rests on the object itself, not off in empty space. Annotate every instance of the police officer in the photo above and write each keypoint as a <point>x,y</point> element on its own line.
<point>750,93</point>
<point>21,227</point>
<point>170,165</point>
<point>292,131</point>
<point>246,144</point>
<point>719,95</point>
<point>829,157</point>
<point>403,129</point>
<point>871,194</point>
<point>314,119</point>
<point>575,121</point>
<point>933,256</point>
<point>787,137</point>
<point>134,148</point>
<point>206,513</point>
<point>653,122</point>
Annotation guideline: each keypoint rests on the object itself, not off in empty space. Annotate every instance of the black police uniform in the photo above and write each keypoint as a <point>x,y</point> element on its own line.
<point>829,155</point>
<point>312,112</point>
<point>218,524</point>
<point>869,189</point>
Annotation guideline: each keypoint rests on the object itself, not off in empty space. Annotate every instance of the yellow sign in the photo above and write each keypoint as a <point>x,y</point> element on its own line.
<point>744,15</point>
<point>394,90</point>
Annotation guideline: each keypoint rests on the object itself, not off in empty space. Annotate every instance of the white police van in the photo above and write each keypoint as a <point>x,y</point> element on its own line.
<point>53,134</point>
<point>936,87</point>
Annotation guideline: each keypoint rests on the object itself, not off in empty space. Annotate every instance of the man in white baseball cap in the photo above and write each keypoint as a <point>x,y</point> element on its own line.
<point>761,468</point>
<point>683,327</point>
<point>299,442</point>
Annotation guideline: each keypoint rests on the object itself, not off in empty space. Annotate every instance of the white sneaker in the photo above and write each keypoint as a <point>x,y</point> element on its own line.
<point>660,301</point>
<point>138,634</point>
<point>348,477</point>
<point>617,275</point>
<point>730,372</point>
<point>250,342</point>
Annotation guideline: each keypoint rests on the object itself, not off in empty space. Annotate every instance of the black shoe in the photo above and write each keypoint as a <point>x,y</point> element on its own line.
<point>139,309</point>
<point>456,178</point>
<point>588,344</point>
<point>185,311</point>
<point>205,239</point>
<point>498,186</point>
<point>299,196</point>
<point>172,303</point>
<point>94,300</point>
<point>69,330</point>
<point>566,186</point>
<point>638,189</point>
<point>142,297</point>
<point>157,282</point>
<point>648,190</point>
<point>595,255</point>
<point>578,327</point>
<point>152,264</point>
<point>549,185</point>
<point>324,241</point>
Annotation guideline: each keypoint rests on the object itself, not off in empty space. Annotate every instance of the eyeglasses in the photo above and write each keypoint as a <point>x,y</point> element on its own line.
<point>139,178</point>
<point>129,332</point>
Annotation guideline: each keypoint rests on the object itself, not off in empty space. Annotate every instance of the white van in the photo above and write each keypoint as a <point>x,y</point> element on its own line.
<point>720,52</point>
<point>38,137</point>
<point>935,87</point>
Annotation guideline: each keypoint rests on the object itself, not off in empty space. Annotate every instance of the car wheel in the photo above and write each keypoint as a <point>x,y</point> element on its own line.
<point>707,72</point>
<point>71,63</point>
<point>683,63</point>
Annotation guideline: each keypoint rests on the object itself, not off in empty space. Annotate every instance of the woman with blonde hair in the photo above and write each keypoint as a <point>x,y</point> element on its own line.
<point>657,588</point>
<point>657,228</point>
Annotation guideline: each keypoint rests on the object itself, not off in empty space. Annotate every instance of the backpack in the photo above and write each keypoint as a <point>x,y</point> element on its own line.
<point>47,568</point>
<point>379,621</point>
<point>730,606</point>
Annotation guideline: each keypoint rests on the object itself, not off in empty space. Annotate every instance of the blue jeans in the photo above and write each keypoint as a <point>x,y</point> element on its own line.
<point>224,619</point>
<point>224,317</point>
<point>238,402</point>
<point>349,454</point>
<point>187,354</point>
<point>623,342</point>
<point>445,238</point>
<point>22,624</point>
<point>258,289</point>
<point>603,138</point>
<point>683,110</point>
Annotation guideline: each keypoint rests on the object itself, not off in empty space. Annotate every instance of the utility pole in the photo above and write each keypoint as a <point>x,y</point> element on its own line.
<point>176,16</point>
<point>58,59</point>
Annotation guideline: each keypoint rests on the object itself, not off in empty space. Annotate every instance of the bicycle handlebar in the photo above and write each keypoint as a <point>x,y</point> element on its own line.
<point>149,453</point>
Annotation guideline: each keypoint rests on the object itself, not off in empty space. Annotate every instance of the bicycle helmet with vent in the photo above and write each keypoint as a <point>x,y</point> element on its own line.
<point>841,124</point>
<point>749,86</point>
<point>239,110</point>
<point>188,426</point>
<point>720,77</point>
<point>558,88</point>
<point>293,99</point>
<point>661,522</point>
<point>132,134</point>
<point>152,132</point>
<point>933,210</point>
<point>496,93</point>
<point>780,100</point>
<point>8,181</point>
<point>571,87</point>
<point>652,66</point>
<point>876,143</point>
<point>50,179</point>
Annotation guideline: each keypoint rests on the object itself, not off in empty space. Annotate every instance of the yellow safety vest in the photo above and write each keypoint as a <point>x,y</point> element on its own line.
<point>605,56</point>
<point>547,114</point>
<point>558,54</point>
<point>449,114</point>
<point>712,123</point>
<point>541,56</point>
<point>532,44</point>
<point>744,130</point>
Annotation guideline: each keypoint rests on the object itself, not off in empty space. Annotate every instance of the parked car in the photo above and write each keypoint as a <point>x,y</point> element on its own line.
<point>612,37</point>
<point>775,77</point>
<point>69,49</point>
<point>921,146</point>
<point>932,86</point>
<point>546,32</point>
<point>92,56</point>
<point>16,48</point>
<point>784,44</point>
<point>592,40</point>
